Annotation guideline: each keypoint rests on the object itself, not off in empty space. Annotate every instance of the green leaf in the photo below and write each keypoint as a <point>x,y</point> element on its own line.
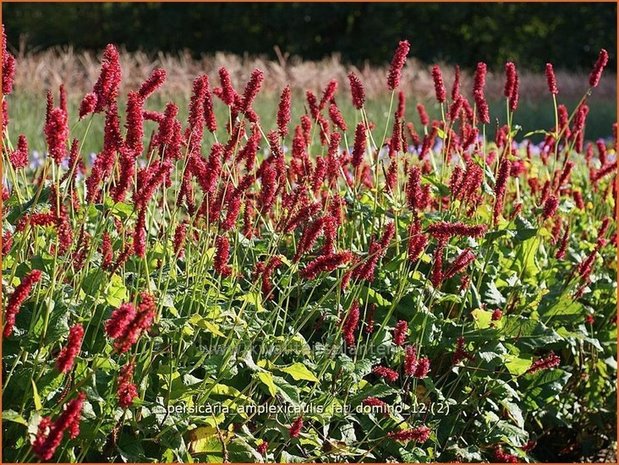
<point>524,229</point>
<point>202,323</point>
<point>266,378</point>
<point>525,258</point>
<point>373,297</point>
<point>483,318</point>
<point>517,365</point>
<point>116,292</point>
<point>299,372</point>
<point>564,307</point>
<point>514,412</point>
<point>119,209</point>
<point>493,296</point>
<point>12,415</point>
<point>35,396</point>
<point>253,298</point>
<point>93,281</point>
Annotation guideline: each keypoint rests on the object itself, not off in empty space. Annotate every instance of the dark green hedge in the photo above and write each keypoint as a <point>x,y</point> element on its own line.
<point>570,35</point>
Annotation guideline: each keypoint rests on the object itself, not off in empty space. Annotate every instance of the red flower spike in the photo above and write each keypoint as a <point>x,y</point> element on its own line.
<point>551,79</point>
<point>397,63</point>
<point>545,363</point>
<point>400,333</point>
<point>387,373</point>
<point>67,355</point>
<point>439,86</point>
<point>296,427</point>
<point>154,82</point>
<point>350,325</point>
<point>356,90</point>
<point>17,298</point>
<point>50,434</point>
<point>283,113</point>
<point>600,64</point>
<point>419,434</point>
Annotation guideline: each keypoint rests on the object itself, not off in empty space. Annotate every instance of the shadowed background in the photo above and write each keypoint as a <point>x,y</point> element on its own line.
<point>306,44</point>
<point>568,34</point>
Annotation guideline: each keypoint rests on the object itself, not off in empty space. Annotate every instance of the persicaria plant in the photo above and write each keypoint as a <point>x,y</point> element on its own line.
<point>458,289</point>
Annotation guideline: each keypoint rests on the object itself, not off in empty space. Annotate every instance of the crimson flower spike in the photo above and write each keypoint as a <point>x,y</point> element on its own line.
<point>397,63</point>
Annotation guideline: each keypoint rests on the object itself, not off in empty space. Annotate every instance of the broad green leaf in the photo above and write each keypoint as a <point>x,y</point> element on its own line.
<point>202,323</point>
<point>374,297</point>
<point>526,258</point>
<point>207,440</point>
<point>116,292</point>
<point>300,372</point>
<point>483,318</point>
<point>266,378</point>
<point>253,298</point>
<point>12,415</point>
<point>517,365</point>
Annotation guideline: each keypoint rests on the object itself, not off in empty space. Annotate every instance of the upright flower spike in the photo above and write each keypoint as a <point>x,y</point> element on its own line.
<point>222,255</point>
<point>120,320</point>
<point>107,85</point>
<point>439,86</point>
<point>350,324</point>
<point>135,124</point>
<point>478,93</point>
<point>397,63</point>
<point>328,94</point>
<point>515,95</point>
<point>88,104</point>
<point>401,105</point>
<point>359,146</point>
<point>17,298</point>
<point>57,134</point>
<point>126,391</point>
<point>67,355</point>
<point>296,427</point>
<point>596,72</point>
<point>500,187</point>
<point>400,333</point>
<point>410,360</point>
<point>551,79</point>
<point>140,323</point>
<point>283,113</point>
<point>228,94</point>
<point>550,207</point>
<point>193,133</point>
<point>423,115</point>
<point>252,89</point>
<point>337,118</point>
<point>510,79</point>
<point>356,90</point>
<point>455,90</point>
<point>50,434</point>
<point>19,157</point>
<point>8,67</point>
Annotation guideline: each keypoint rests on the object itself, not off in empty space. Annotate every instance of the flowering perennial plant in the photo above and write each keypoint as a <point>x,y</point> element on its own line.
<point>354,268</point>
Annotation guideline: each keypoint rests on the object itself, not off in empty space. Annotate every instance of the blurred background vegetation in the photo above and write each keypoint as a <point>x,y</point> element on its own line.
<point>184,38</point>
<point>568,34</point>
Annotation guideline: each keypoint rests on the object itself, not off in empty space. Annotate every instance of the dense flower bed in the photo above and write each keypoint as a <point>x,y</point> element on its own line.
<point>360,288</point>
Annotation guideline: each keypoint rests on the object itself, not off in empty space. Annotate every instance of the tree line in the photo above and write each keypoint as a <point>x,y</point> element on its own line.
<point>568,34</point>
